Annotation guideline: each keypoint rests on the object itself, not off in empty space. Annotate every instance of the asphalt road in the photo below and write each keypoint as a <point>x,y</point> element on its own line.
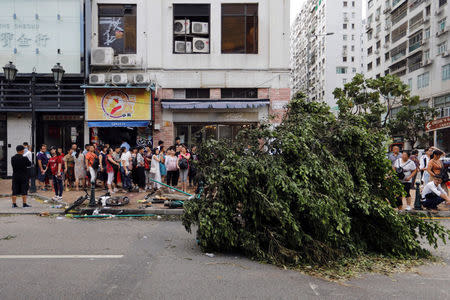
<point>161,261</point>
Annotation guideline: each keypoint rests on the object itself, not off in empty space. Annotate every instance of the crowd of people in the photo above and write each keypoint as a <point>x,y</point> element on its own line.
<point>136,169</point>
<point>432,173</point>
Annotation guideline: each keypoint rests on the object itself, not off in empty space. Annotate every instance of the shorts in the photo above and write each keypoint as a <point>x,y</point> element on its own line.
<point>19,186</point>
<point>407,187</point>
<point>41,177</point>
<point>184,175</point>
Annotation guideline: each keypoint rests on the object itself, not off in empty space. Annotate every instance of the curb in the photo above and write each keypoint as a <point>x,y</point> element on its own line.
<point>162,212</point>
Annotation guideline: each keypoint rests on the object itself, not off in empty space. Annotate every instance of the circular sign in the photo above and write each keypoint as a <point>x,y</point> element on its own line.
<point>116,104</point>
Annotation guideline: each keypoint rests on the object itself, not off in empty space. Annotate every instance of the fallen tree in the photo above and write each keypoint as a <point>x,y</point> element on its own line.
<point>315,189</point>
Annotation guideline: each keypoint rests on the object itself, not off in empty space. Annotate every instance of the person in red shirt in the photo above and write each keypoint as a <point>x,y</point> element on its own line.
<point>55,165</point>
<point>91,158</point>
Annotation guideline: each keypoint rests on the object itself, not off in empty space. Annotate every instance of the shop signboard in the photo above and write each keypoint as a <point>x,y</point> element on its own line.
<point>118,105</point>
<point>440,123</point>
<point>36,34</point>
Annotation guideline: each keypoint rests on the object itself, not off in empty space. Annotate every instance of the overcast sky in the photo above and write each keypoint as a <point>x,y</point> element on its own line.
<point>297,4</point>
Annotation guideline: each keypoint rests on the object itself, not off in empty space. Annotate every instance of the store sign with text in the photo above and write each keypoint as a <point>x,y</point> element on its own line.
<point>118,105</point>
<point>438,124</point>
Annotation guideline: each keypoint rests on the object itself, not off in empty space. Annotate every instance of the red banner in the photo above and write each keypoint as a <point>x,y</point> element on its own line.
<point>437,124</point>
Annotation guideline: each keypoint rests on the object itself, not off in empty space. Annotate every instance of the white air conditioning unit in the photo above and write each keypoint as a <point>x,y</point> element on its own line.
<point>181,26</point>
<point>445,54</point>
<point>97,79</point>
<point>183,47</point>
<point>102,56</point>
<point>377,52</point>
<point>200,28</point>
<point>426,19</point>
<point>127,60</point>
<point>141,78</point>
<point>386,46</point>
<point>119,78</point>
<point>200,45</point>
<point>427,62</point>
<point>377,18</point>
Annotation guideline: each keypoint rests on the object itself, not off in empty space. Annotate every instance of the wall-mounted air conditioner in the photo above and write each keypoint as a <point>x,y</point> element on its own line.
<point>97,79</point>
<point>119,78</point>
<point>181,26</point>
<point>445,53</point>
<point>200,28</point>
<point>127,60</point>
<point>102,56</point>
<point>183,47</point>
<point>141,78</point>
<point>200,45</point>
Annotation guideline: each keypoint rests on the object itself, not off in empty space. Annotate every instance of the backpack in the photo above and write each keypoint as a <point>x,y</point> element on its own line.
<point>96,163</point>
<point>183,164</point>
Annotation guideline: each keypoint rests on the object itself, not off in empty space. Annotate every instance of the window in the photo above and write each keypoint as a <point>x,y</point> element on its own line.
<point>353,3</point>
<point>410,83</point>
<point>344,81</point>
<point>197,93</point>
<point>428,10</point>
<point>191,27</point>
<point>353,37</point>
<point>344,26</point>
<point>353,15</point>
<point>240,28</point>
<point>345,3</point>
<point>239,93</point>
<point>353,59</point>
<point>341,70</point>
<point>369,51</point>
<point>427,33</point>
<point>344,58</point>
<point>442,47</point>
<point>423,80</point>
<point>378,61</point>
<point>442,2</point>
<point>353,47</point>
<point>442,24</point>
<point>117,27</point>
<point>386,56</point>
<point>353,25</point>
<point>353,70</point>
<point>369,35</point>
<point>442,103</point>
<point>446,72</point>
<point>344,37</point>
<point>369,66</point>
<point>426,55</point>
<point>378,44</point>
<point>387,38</point>
<point>370,3</point>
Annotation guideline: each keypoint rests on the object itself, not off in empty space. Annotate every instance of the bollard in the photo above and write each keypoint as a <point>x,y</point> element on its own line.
<point>417,202</point>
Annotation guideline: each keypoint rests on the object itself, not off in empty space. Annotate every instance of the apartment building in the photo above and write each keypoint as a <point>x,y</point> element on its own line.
<point>409,38</point>
<point>326,47</point>
<point>161,69</point>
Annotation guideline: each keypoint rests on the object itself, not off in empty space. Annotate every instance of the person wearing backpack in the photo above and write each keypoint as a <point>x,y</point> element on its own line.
<point>406,170</point>
<point>92,164</point>
<point>183,166</point>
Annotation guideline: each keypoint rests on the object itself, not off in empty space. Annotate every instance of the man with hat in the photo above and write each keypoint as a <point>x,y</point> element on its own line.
<point>20,166</point>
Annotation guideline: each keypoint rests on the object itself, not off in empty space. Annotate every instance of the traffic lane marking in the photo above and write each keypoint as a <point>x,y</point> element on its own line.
<point>43,256</point>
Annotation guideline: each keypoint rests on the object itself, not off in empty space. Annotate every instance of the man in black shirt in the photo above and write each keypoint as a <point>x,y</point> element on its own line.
<point>20,176</point>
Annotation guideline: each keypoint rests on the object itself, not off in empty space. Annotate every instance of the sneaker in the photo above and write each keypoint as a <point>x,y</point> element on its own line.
<point>14,205</point>
<point>55,198</point>
<point>408,208</point>
<point>26,205</point>
<point>59,198</point>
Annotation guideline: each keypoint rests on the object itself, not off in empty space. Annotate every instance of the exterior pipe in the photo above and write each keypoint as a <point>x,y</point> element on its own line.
<point>171,187</point>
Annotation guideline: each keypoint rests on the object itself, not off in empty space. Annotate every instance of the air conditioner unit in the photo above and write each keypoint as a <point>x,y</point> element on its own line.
<point>426,19</point>
<point>119,78</point>
<point>386,46</point>
<point>97,79</point>
<point>181,26</point>
<point>445,54</point>
<point>377,52</point>
<point>200,28</point>
<point>125,60</point>
<point>183,47</point>
<point>102,56</point>
<point>200,45</point>
<point>377,18</point>
<point>438,12</point>
<point>141,78</point>
<point>427,62</point>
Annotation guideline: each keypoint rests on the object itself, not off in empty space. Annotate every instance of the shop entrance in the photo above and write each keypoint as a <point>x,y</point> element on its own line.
<point>60,131</point>
<point>114,136</point>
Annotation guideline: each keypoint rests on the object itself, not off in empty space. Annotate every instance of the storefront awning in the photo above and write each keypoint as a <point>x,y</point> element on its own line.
<point>213,104</point>
<point>118,123</point>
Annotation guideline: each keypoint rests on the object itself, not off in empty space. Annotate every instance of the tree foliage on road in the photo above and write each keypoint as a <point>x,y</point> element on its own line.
<point>314,189</point>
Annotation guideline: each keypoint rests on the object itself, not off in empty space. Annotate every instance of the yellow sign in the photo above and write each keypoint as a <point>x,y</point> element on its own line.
<point>118,104</point>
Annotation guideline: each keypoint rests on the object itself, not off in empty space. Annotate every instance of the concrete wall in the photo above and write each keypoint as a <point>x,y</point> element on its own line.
<point>19,131</point>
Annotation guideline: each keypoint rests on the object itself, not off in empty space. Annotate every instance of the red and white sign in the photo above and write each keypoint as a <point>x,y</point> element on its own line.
<point>437,124</point>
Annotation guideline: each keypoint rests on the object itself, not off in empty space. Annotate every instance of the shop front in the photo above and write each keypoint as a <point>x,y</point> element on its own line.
<point>119,114</point>
<point>60,130</point>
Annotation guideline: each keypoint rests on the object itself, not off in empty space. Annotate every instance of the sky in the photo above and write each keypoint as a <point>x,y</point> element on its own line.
<point>297,4</point>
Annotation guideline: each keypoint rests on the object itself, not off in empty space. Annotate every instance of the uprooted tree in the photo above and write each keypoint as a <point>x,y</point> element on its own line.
<point>312,190</point>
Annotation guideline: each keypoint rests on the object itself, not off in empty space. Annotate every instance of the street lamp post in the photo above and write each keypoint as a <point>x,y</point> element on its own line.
<point>10,72</point>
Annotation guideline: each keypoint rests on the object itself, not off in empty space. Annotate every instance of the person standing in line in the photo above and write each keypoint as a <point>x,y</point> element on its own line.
<point>433,194</point>
<point>116,166</point>
<point>436,167</point>
<point>155,173</point>
<point>110,162</point>
<point>69,170</point>
<point>183,166</point>
<point>409,169</point>
<point>140,169</point>
<point>148,161</point>
<point>171,167</point>
<point>80,170</point>
<point>42,162</point>
<point>414,157</point>
<point>124,169</point>
<point>28,151</point>
<point>193,167</point>
<point>103,175</point>
<point>20,166</point>
<point>162,166</point>
<point>133,166</point>
<point>90,159</point>
<point>55,166</point>
<point>424,160</point>
<point>86,149</point>
<point>395,155</point>
<point>74,148</point>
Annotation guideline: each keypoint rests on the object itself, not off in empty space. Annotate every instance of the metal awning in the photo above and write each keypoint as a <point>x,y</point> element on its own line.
<point>118,123</point>
<point>213,104</point>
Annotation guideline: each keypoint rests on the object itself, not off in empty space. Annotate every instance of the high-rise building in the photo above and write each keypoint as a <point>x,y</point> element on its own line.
<point>326,47</point>
<point>409,38</point>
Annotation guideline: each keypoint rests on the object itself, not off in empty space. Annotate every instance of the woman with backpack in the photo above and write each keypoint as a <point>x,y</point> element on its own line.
<point>183,166</point>
<point>406,170</point>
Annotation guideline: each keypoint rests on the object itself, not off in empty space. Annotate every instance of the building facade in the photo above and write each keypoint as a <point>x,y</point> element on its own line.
<point>409,38</point>
<point>35,35</point>
<point>326,47</point>
<point>161,69</point>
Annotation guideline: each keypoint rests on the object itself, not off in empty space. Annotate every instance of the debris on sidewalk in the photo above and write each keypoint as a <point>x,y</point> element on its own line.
<point>210,255</point>
<point>8,237</point>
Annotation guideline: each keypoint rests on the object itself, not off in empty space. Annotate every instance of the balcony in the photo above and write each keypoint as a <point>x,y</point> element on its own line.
<point>398,56</point>
<point>415,46</point>
<point>414,67</point>
<point>387,9</point>
<point>442,31</point>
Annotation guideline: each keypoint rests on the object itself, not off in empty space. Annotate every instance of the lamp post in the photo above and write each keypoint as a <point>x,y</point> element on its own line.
<point>10,72</point>
<point>308,36</point>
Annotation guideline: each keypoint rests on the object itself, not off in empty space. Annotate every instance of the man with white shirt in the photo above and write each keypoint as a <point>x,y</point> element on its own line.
<point>433,194</point>
<point>424,160</point>
<point>124,169</point>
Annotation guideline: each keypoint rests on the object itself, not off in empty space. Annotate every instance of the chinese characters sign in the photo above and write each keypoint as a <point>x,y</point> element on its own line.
<point>38,34</point>
<point>118,104</point>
